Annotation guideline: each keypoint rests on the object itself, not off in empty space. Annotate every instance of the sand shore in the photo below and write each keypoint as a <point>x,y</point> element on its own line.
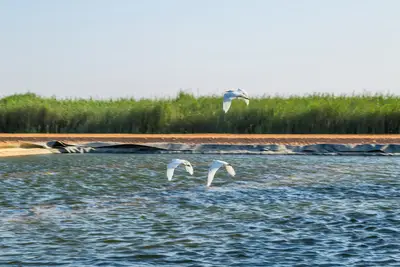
<point>10,143</point>
<point>13,152</point>
<point>284,139</point>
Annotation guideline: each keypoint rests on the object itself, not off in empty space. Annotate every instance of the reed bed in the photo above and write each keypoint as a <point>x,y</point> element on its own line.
<point>312,114</point>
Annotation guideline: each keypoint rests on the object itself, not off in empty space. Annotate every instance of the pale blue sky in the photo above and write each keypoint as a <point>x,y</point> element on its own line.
<point>147,48</point>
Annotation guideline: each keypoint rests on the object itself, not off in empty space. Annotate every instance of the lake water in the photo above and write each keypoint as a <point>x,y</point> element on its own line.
<point>120,210</point>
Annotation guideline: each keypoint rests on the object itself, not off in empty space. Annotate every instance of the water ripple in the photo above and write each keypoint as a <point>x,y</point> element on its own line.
<point>119,210</point>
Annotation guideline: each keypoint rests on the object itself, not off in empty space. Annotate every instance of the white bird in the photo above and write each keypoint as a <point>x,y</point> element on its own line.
<point>216,164</point>
<point>234,94</point>
<point>175,163</point>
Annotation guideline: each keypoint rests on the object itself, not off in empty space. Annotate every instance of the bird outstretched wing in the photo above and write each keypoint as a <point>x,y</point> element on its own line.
<point>230,170</point>
<point>212,170</point>
<point>243,92</point>
<point>227,101</point>
<point>171,168</point>
<point>189,168</point>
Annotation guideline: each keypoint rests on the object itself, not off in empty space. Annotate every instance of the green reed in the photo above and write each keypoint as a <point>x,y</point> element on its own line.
<point>317,113</point>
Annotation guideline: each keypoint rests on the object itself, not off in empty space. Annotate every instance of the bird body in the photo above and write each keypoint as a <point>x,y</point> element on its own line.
<point>215,165</point>
<point>175,163</point>
<point>234,94</point>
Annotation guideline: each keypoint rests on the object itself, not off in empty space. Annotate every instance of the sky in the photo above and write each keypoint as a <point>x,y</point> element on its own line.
<point>154,48</point>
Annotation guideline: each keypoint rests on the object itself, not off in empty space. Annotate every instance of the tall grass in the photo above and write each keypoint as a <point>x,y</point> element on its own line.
<point>318,113</point>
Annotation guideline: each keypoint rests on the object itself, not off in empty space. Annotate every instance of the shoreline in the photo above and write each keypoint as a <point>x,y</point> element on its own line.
<point>279,139</point>
<point>17,151</point>
<point>16,144</point>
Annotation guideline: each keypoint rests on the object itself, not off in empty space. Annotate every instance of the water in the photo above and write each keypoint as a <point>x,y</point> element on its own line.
<point>120,210</point>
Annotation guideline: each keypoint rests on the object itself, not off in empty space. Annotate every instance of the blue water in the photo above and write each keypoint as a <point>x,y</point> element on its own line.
<point>120,210</point>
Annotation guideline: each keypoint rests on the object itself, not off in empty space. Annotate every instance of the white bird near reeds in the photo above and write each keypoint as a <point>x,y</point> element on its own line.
<point>175,163</point>
<point>234,94</point>
<point>215,165</point>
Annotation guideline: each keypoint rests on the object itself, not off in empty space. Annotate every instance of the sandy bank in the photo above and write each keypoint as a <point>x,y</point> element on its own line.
<point>16,151</point>
<point>282,139</point>
<point>16,144</point>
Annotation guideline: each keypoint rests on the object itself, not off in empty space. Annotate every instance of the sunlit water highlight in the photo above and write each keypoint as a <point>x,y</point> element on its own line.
<point>120,210</point>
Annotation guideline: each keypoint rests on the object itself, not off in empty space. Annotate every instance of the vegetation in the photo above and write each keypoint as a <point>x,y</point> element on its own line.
<point>318,113</point>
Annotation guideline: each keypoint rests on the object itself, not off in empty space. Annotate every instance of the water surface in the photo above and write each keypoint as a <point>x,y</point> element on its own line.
<point>120,210</point>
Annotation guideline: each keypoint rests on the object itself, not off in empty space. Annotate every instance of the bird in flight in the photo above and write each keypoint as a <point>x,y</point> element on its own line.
<point>175,163</point>
<point>215,165</point>
<point>234,94</point>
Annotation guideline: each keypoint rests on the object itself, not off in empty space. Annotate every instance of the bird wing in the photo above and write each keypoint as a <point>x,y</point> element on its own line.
<point>246,100</point>
<point>170,173</point>
<point>212,170</point>
<point>171,167</point>
<point>189,168</point>
<point>230,170</point>
<point>227,101</point>
<point>243,92</point>
<point>226,105</point>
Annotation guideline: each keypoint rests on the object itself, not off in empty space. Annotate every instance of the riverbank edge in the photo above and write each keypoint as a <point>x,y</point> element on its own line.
<point>203,144</point>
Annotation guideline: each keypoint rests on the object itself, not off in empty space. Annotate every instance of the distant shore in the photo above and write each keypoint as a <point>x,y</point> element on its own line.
<point>10,144</point>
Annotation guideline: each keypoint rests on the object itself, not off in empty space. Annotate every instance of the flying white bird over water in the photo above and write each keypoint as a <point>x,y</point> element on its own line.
<point>175,163</point>
<point>234,94</point>
<point>215,165</point>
